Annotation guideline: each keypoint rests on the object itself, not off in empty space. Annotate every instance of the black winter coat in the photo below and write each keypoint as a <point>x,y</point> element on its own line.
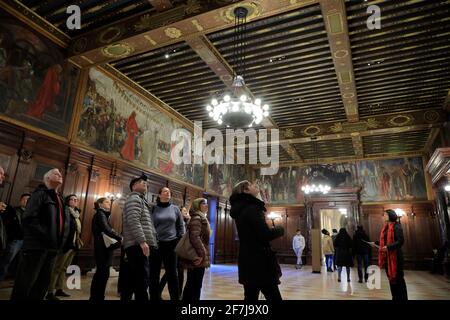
<point>359,246</point>
<point>100,223</point>
<point>343,250</point>
<point>12,222</point>
<point>257,263</point>
<point>41,221</point>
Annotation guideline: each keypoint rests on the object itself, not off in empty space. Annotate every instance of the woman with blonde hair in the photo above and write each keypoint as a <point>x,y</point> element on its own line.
<point>199,233</point>
<point>257,264</point>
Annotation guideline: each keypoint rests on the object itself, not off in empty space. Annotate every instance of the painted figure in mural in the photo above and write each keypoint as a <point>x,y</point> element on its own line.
<point>111,129</point>
<point>398,185</point>
<point>418,188</point>
<point>47,93</point>
<point>132,129</point>
<point>407,176</point>
<point>385,183</point>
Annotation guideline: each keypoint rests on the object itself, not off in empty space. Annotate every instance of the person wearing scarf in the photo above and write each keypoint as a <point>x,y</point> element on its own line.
<point>199,233</point>
<point>390,255</point>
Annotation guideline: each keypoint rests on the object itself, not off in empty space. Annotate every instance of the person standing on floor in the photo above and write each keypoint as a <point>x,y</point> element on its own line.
<point>12,221</point>
<point>139,240</point>
<point>199,233</point>
<point>169,227</point>
<point>298,244</point>
<point>333,237</point>
<point>344,257</point>
<point>103,254</point>
<point>327,249</point>
<point>258,267</point>
<point>46,228</point>
<point>64,259</point>
<point>361,248</point>
<point>185,213</point>
<point>390,255</point>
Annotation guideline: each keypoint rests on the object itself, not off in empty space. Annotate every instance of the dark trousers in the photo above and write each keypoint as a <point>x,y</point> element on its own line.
<point>271,293</point>
<point>164,254</point>
<point>180,273</point>
<point>398,288</point>
<point>363,261</point>
<point>138,275</point>
<point>103,261</point>
<point>33,275</point>
<point>194,282</point>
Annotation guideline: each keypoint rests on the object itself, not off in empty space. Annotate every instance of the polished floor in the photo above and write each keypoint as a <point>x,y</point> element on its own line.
<point>220,283</point>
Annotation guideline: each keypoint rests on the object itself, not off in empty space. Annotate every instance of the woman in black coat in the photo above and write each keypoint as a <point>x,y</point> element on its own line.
<point>343,250</point>
<point>103,255</point>
<point>257,264</point>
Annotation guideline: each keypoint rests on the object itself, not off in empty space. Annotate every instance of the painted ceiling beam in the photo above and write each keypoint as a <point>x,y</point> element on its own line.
<point>335,19</point>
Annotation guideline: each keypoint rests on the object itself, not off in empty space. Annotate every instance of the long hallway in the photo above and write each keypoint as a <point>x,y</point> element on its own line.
<point>220,283</point>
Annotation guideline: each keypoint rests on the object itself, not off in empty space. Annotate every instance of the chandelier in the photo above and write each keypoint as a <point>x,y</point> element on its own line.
<point>317,182</point>
<point>238,109</point>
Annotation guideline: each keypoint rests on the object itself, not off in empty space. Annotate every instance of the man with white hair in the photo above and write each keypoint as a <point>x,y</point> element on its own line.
<point>46,228</point>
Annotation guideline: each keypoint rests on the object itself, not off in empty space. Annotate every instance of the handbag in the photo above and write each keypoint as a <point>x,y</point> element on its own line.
<point>109,242</point>
<point>184,248</point>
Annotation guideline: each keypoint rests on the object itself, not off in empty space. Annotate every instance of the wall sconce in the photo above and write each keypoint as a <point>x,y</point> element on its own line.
<point>447,188</point>
<point>272,216</point>
<point>112,197</point>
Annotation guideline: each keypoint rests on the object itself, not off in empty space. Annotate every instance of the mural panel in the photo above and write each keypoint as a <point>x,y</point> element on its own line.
<point>37,86</point>
<point>222,177</point>
<point>285,187</point>
<point>118,122</point>
<point>393,179</point>
<point>380,180</point>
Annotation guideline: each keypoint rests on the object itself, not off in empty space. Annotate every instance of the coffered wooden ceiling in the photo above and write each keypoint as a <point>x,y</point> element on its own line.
<point>361,92</point>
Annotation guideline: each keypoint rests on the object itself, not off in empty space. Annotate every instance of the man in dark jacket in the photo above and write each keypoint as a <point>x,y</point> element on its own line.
<point>257,264</point>
<point>12,220</point>
<point>46,227</point>
<point>361,248</point>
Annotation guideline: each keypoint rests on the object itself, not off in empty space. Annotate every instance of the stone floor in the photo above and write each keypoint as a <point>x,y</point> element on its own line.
<point>220,283</point>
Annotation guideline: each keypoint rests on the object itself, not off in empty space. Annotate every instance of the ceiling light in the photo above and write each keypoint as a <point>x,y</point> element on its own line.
<point>166,56</point>
<point>237,110</point>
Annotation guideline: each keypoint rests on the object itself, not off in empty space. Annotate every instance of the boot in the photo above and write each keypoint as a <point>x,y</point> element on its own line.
<point>61,293</point>
<point>51,296</point>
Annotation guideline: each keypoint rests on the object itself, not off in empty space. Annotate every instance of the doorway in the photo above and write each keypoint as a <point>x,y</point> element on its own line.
<point>333,219</point>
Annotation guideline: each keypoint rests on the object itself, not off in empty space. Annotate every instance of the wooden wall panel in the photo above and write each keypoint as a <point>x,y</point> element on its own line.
<point>86,174</point>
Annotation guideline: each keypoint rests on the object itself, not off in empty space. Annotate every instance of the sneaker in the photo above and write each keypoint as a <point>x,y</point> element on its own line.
<point>61,293</point>
<point>360,281</point>
<point>51,296</point>
<point>348,280</point>
<point>339,279</point>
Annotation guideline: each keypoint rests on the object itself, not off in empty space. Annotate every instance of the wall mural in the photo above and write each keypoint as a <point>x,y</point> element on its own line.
<point>118,122</point>
<point>285,187</point>
<point>394,179</point>
<point>222,177</point>
<point>37,86</point>
<point>380,180</point>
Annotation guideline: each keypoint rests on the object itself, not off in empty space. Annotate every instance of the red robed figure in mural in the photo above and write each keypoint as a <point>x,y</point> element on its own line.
<point>45,98</point>
<point>132,129</point>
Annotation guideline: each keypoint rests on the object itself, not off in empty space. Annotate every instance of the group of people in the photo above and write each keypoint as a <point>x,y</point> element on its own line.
<point>340,250</point>
<point>46,229</point>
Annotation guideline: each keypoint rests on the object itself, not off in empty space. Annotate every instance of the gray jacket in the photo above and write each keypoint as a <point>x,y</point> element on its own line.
<point>137,222</point>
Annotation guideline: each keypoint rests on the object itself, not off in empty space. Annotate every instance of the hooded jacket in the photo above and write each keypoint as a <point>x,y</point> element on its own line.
<point>257,263</point>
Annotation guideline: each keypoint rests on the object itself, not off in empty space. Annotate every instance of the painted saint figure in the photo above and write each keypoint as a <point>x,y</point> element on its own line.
<point>132,129</point>
<point>47,93</point>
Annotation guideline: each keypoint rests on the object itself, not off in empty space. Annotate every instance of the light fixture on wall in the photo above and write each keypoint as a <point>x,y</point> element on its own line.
<point>447,188</point>
<point>317,182</point>
<point>238,110</point>
<point>273,216</point>
<point>112,197</point>
<point>400,213</point>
